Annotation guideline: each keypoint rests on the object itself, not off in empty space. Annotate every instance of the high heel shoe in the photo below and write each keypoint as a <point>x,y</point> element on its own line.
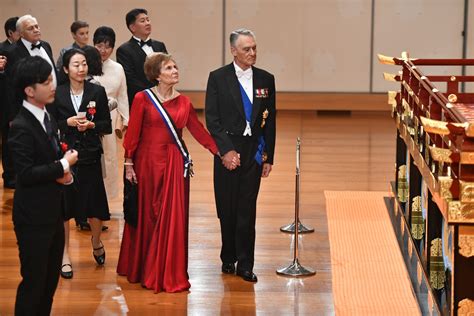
<point>66,274</point>
<point>83,225</point>
<point>100,259</point>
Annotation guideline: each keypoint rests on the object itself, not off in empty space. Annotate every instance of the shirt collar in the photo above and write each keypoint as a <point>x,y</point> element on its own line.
<point>139,40</point>
<point>247,74</point>
<point>28,43</point>
<point>36,111</point>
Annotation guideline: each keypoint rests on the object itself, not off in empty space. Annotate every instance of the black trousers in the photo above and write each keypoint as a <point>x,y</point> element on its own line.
<point>41,250</point>
<point>236,200</point>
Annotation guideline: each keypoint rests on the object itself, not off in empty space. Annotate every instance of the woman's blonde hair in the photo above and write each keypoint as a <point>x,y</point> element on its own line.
<point>153,64</point>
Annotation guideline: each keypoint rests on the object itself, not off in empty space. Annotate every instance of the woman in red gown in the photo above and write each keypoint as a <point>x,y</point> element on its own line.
<point>154,252</point>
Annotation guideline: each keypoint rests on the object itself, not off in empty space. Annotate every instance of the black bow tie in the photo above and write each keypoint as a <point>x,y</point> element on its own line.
<point>143,43</point>
<point>33,46</point>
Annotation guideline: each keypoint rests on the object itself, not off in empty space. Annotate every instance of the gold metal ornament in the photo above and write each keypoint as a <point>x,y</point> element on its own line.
<point>437,274</point>
<point>466,307</point>
<point>389,77</point>
<point>466,192</point>
<point>386,60</point>
<point>264,117</point>
<point>402,184</point>
<point>466,245</point>
<point>452,98</point>
<point>264,156</point>
<point>445,184</point>
<point>417,221</point>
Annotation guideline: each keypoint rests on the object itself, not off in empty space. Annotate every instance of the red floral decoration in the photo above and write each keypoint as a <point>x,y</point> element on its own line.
<point>91,111</point>
<point>64,146</point>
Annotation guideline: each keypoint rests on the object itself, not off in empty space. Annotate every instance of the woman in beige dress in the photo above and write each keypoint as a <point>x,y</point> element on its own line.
<point>113,80</point>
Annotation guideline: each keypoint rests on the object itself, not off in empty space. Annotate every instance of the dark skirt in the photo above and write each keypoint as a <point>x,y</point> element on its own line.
<point>86,197</point>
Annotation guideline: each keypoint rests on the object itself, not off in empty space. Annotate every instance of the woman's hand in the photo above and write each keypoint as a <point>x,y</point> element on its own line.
<point>72,121</point>
<point>83,125</point>
<point>130,174</point>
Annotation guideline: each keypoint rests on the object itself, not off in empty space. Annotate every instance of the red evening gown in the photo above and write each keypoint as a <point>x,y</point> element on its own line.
<point>155,252</point>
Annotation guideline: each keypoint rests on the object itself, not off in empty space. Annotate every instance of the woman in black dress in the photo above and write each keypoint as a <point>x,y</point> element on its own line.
<point>81,110</point>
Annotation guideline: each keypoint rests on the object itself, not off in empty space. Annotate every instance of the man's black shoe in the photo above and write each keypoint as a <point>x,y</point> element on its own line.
<point>247,276</point>
<point>228,268</point>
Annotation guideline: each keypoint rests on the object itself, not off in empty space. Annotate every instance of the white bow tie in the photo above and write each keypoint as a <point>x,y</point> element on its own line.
<point>247,74</point>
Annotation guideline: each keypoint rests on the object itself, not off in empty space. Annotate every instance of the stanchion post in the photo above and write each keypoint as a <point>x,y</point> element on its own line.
<point>295,268</point>
<point>290,228</point>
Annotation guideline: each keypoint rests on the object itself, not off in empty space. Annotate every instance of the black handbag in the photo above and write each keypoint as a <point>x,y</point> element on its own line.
<point>130,203</point>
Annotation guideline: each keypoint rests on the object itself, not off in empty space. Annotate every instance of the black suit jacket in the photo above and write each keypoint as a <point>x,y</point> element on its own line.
<point>87,143</point>
<point>132,58</point>
<point>4,47</point>
<point>38,196</point>
<point>225,111</point>
<point>15,53</point>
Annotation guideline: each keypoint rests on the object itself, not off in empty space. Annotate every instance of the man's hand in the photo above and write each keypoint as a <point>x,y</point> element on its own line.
<point>66,178</point>
<point>71,156</point>
<point>3,62</point>
<point>266,169</point>
<point>231,160</point>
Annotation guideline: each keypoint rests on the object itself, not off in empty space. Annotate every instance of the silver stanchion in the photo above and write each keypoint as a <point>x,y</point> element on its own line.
<point>290,228</point>
<point>295,268</point>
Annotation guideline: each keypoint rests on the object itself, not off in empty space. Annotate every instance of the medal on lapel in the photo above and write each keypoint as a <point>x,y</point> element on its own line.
<point>261,93</point>
<point>264,117</point>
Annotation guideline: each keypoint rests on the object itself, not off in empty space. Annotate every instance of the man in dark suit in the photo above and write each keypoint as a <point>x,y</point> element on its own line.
<point>29,44</point>
<point>240,115</point>
<point>131,55</point>
<point>38,199</point>
<point>12,36</point>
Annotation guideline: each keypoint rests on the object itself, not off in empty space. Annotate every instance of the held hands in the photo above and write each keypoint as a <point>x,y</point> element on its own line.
<point>71,156</point>
<point>81,123</point>
<point>231,160</point>
<point>66,179</point>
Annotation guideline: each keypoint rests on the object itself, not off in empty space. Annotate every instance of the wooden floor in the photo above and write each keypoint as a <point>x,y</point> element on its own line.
<point>339,152</point>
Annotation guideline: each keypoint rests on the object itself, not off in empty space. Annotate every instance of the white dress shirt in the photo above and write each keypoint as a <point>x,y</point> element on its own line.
<point>245,78</point>
<point>42,53</point>
<point>147,49</point>
<point>39,115</point>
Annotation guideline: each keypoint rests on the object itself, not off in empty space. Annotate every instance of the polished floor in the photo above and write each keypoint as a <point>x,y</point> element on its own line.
<point>338,152</point>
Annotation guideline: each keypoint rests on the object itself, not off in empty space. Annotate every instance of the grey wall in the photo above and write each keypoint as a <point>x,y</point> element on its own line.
<point>310,45</point>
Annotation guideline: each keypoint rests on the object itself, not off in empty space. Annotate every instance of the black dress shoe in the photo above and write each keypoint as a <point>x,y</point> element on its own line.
<point>247,276</point>
<point>66,274</point>
<point>100,259</point>
<point>228,268</point>
<point>83,225</point>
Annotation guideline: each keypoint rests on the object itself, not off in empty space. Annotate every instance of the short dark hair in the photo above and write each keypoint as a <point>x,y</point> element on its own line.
<point>94,61</point>
<point>104,34</point>
<point>76,25</point>
<point>131,16</point>
<point>69,53</point>
<point>10,25</point>
<point>30,71</point>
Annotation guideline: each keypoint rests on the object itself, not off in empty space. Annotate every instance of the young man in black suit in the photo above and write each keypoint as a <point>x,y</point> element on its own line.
<point>240,115</point>
<point>132,54</point>
<point>29,44</point>
<point>38,199</point>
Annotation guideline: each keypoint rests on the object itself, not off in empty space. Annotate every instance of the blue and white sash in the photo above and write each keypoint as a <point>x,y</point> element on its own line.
<point>188,163</point>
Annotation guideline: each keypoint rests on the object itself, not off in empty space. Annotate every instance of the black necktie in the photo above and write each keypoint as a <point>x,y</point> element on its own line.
<point>49,131</point>
<point>143,43</point>
<point>33,46</point>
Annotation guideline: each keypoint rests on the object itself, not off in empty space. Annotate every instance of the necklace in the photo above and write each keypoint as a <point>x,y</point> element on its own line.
<point>76,100</point>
